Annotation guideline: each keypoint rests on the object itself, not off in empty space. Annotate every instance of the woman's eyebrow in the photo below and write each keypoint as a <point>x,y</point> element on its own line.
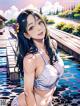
<point>30,24</point>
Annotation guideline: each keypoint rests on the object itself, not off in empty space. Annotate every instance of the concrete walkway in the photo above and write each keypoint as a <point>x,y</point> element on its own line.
<point>68,42</point>
<point>59,19</point>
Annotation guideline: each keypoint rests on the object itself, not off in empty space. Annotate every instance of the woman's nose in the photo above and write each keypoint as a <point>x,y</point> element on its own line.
<point>39,27</point>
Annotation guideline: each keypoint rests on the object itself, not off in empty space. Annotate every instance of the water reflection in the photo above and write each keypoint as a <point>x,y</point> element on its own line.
<point>68,89</point>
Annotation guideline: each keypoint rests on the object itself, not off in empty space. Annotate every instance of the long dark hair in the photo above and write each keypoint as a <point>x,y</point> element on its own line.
<point>25,45</point>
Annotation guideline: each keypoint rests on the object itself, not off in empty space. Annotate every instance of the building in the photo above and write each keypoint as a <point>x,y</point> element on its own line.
<point>2,21</point>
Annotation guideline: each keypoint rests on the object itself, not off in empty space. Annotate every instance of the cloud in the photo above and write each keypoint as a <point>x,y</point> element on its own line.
<point>31,6</point>
<point>2,12</point>
<point>57,6</point>
<point>49,7</point>
<point>11,13</point>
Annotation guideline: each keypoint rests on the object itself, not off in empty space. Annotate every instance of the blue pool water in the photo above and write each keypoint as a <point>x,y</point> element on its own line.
<point>11,85</point>
<point>68,89</point>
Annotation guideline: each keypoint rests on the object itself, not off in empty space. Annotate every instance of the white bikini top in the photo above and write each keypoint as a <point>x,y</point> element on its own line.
<point>50,74</point>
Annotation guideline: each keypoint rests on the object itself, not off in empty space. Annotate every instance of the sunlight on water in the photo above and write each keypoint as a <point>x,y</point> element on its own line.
<point>68,89</point>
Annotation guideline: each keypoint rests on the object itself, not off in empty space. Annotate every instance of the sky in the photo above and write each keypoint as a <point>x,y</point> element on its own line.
<point>11,8</point>
<point>6,4</point>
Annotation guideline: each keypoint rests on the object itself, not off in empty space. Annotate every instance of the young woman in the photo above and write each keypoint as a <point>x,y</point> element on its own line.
<point>37,61</point>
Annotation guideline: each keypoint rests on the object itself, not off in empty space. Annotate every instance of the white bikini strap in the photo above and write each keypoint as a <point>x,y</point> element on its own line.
<point>41,54</point>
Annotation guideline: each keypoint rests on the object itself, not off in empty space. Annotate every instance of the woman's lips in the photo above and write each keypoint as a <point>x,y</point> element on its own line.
<point>40,33</point>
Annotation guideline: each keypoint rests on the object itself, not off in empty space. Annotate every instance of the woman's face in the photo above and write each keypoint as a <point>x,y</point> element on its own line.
<point>35,27</point>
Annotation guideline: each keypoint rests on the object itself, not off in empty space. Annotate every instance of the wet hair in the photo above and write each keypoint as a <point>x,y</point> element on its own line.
<point>27,46</point>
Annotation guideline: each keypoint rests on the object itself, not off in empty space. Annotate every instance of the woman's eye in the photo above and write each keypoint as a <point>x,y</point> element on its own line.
<point>31,28</point>
<point>40,22</point>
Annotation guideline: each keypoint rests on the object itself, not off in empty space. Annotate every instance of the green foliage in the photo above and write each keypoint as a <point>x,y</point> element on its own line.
<point>12,21</point>
<point>77,9</point>
<point>57,12</point>
<point>75,13</point>
<point>77,31</point>
<point>50,21</point>
<point>78,28</point>
<point>60,25</point>
<point>68,28</point>
<point>1,25</point>
<point>77,16</point>
<point>65,13</point>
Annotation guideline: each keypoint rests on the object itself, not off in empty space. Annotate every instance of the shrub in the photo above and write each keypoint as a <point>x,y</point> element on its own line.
<point>60,14</point>
<point>60,25</point>
<point>74,13</point>
<point>77,16</point>
<point>77,31</point>
<point>50,21</point>
<point>65,13</point>
<point>1,26</point>
<point>77,9</point>
<point>78,28</point>
<point>68,28</point>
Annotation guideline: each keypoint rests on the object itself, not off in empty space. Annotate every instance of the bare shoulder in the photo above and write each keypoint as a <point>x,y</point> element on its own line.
<point>29,62</point>
<point>29,58</point>
<point>54,43</point>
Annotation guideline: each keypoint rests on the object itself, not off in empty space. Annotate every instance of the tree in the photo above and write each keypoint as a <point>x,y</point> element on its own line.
<point>77,9</point>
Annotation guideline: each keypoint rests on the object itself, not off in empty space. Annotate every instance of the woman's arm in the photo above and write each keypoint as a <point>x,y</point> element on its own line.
<point>29,75</point>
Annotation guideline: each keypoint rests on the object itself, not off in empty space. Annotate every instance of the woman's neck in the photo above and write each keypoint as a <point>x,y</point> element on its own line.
<point>40,44</point>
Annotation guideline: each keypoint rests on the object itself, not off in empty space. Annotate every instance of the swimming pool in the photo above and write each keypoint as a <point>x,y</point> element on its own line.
<point>66,94</point>
<point>68,88</point>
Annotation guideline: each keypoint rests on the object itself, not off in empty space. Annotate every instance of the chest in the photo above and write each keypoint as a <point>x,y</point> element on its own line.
<point>40,64</point>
